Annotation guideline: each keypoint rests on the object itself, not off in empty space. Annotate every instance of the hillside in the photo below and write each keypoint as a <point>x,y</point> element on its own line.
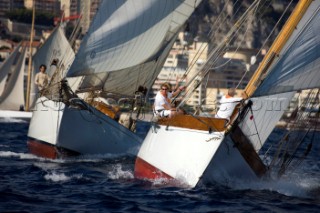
<point>218,17</point>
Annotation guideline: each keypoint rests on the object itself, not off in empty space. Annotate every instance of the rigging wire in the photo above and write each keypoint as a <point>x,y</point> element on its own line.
<point>267,39</point>
<point>288,148</point>
<point>219,50</point>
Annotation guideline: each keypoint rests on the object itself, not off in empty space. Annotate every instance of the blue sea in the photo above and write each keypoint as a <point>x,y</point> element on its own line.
<point>105,183</point>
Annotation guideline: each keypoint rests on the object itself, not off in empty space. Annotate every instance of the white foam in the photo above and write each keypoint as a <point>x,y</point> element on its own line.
<point>118,173</point>
<point>12,120</point>
<point>56,177</point>
<point>295,185</point>
<point>18,155</point>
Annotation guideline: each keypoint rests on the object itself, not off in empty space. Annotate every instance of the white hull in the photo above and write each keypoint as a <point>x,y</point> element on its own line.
<point>188,155</point>
<point>11,115</point>
<point>83,131</point>
<point>179,153</point>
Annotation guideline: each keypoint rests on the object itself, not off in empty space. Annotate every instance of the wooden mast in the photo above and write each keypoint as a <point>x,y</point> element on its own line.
<point>30,59</point>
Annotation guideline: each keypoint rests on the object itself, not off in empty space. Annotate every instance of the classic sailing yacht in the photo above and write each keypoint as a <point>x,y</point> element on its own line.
<point>124,50</point>
<point>189,148</point>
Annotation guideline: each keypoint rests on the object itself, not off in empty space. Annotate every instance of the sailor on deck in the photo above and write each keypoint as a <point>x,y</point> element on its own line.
<point>42,78</point>
<point>228,103</point>
<point>162,103</point>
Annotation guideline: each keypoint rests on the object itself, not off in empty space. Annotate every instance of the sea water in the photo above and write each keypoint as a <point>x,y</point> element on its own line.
<point>105,183</point>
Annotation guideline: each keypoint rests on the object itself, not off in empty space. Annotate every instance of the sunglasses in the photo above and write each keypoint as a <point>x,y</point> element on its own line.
<point>164,88</point>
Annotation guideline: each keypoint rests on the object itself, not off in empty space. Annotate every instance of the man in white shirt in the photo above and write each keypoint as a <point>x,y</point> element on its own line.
<point>162,102</point>
<point>228,103</point>
<point>42,78</point>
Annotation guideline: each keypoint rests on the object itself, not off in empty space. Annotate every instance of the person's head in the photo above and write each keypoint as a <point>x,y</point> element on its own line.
<point>232,92</point>
<point>164,88</point>
<point>42,68</point>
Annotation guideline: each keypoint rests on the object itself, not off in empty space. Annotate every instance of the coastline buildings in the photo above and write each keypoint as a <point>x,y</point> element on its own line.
<point>232,68</point>
<point>65,10</point>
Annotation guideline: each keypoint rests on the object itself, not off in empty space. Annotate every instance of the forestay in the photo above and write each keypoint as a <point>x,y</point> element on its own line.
<point>122,52</point>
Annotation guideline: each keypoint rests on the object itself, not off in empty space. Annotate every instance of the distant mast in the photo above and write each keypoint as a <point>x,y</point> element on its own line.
<point>30,58</point>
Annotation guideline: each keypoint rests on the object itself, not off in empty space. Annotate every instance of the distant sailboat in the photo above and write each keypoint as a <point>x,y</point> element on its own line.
<point>16,86</point>
<point>123,51</point>
<point>12,99</point>
<point>6,67</point>
<point>189,148</point>
<point>55,47</point>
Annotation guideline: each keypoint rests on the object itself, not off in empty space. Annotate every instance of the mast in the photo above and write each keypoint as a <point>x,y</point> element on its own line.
<point>277,46</point>
<point>30,59</point>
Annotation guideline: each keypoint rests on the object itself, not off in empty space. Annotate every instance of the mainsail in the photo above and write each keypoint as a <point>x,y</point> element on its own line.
<point>122,52</point>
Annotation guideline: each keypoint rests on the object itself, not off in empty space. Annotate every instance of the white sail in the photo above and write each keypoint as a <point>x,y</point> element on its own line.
<point>55,47</point>
<point>261,120</point>
<point>13,95</point>
<point>6,67</point>
<point>297,67</point>
<point>128,50</point>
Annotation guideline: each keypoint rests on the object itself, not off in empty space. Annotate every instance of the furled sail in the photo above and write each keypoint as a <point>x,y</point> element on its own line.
<point>297,66</point>
<point>55,47</point>
<point>122,52</point>
<point>7,67</point>
<point>13,95</point>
